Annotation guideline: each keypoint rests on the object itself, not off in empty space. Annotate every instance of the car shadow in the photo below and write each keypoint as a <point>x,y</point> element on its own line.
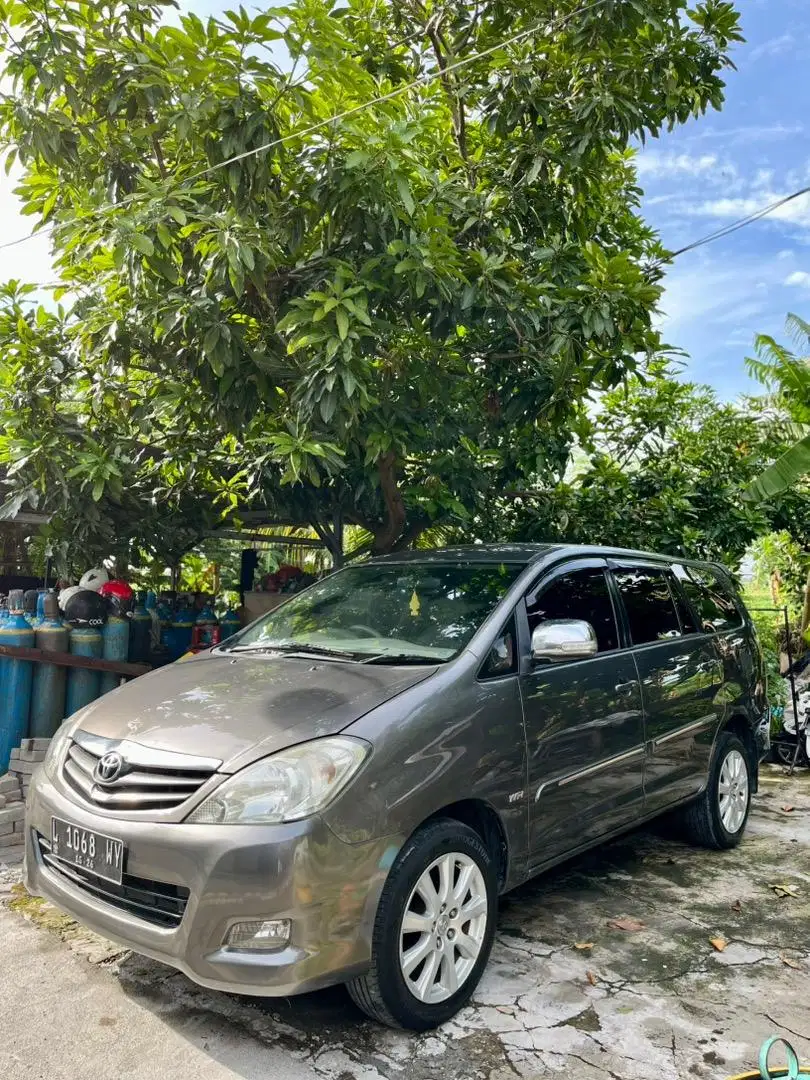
<point>308,1026</point>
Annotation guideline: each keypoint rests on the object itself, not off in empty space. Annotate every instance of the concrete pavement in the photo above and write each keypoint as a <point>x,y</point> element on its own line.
<point>651,998</point>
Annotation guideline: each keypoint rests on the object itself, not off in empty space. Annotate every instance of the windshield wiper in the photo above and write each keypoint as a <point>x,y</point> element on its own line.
<point>403,658</point>
<point>295,650</point>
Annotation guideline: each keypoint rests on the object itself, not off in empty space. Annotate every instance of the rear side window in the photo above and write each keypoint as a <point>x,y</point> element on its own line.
<point>647,599</point>
<point>582,594</point>
<point>711,597</point>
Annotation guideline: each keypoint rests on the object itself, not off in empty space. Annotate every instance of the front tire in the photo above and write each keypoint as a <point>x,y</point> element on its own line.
<point>434,929</point>
<point>718,818</point>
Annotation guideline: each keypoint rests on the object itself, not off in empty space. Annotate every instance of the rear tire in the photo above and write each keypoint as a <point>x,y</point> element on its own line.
<point>424,971</point>
<point>718,818</point>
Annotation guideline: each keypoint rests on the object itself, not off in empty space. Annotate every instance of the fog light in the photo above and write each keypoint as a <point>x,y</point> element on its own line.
<point>261,935</point>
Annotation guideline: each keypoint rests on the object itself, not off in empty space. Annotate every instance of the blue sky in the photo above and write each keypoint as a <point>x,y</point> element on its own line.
<point>720,168</point>
<point>696,179</point>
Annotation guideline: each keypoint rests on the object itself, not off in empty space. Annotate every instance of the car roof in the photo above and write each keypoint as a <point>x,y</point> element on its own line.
<point>523,554</point>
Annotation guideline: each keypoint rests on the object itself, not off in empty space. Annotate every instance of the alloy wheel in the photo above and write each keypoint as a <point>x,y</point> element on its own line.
<point>733,791</point>
<point>443,928</point>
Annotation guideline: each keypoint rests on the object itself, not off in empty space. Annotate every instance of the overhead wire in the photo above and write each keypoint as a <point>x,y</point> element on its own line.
<point>735,226</point>
<point>422,80</point>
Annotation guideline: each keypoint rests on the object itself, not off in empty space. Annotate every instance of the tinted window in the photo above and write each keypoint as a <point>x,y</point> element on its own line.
<point>689,621</point>
<point>651,613</point>
<point>582,594</point>
<point>710,596</point>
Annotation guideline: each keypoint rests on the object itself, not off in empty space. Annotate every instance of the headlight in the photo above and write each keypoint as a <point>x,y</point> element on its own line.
<point>285,787</point>
<point>57,751</point>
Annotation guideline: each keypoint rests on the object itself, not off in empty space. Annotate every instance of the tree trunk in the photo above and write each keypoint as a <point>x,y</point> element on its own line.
<point>390,531</point>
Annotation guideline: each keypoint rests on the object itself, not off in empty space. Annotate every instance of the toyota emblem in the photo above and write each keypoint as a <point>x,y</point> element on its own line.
<point>109,768</point>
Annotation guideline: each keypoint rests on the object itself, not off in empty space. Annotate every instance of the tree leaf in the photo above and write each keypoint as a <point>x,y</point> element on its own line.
<point>342,322</point>
<point>788,961</point>
<point>141,243</point>
<point>627,924</point>
<point>405,193</point>
<point>583,945</point>
<point>719,944</point>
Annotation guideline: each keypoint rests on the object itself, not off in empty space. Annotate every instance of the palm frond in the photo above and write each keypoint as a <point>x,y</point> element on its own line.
<point>785,472</point>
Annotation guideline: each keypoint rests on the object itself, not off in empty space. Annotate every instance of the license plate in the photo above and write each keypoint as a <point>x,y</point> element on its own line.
<point>92,851</point>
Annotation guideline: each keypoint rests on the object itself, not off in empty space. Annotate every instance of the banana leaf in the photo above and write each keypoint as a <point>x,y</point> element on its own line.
<point>785,471</point>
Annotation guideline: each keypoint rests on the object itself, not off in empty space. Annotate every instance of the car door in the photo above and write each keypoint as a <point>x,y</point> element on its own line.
<point>679,673</point>
<point>583,718</point>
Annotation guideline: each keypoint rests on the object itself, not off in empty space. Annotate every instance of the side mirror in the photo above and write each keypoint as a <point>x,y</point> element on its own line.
<point>564,639</point>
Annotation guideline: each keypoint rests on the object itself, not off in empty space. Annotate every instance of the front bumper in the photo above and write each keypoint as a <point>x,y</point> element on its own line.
<point>328,889</point>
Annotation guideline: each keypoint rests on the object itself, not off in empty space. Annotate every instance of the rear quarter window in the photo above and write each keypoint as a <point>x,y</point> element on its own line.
<point>712,598</point>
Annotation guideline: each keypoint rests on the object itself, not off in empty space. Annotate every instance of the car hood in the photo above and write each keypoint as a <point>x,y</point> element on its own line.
<point>238,709</point>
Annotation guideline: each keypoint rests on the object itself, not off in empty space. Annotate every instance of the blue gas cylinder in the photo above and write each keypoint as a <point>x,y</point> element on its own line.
<point>229,624</point>
<point>40,616</point>
<point>15,680</point>
<point>83,686</point>
<point>181,629</point>
<point>50,680</point>
<point>115,638</point>
<point>139,631</point>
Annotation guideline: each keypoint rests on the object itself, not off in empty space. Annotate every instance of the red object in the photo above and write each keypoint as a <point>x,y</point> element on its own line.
<point>121,589</point>
<point>204,635</point>
<point>276,582</point>
<point>119,596</point>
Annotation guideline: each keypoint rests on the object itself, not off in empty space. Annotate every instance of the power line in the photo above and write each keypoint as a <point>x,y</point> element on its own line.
<point>734,226</point>
<point>422,80</point>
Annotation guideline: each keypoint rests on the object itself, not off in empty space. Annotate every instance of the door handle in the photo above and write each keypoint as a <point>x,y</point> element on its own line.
<point>625,687</point>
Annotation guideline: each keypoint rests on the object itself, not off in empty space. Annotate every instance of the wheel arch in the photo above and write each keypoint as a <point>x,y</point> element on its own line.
<point>483,819</point>
<point>739,726</point>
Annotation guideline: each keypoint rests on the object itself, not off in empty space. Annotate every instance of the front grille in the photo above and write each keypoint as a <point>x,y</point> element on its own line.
<point>155,902</point>
<point>148,780</point>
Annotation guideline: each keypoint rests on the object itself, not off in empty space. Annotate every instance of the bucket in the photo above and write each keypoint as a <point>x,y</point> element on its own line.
<point>767,1071</point>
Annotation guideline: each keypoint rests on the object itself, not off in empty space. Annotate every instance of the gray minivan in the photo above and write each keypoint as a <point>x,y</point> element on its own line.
<point>340,792</point>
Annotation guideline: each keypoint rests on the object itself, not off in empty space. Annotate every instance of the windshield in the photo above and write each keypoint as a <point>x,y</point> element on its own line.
<point>385,611</point>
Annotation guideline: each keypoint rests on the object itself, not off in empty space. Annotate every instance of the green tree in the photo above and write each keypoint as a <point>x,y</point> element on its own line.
<point>383,319</point>
<point>787,376</point>
<point>663,468</point>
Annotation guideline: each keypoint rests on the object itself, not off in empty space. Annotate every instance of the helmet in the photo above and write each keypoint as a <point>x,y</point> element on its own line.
<point>94,578</point>
<point>119,597</point>
<point>66,593</point>
<point>86,608</point>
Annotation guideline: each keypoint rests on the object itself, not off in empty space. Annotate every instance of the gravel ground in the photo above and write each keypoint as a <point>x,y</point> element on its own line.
<point>657,1001</point>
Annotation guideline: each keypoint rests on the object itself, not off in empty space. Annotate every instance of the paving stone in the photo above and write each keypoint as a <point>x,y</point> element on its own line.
<point>11,814</point>
<point>31,755</point>
<point>36,745</point>
<point>12,840</point>
<point>25,766</point>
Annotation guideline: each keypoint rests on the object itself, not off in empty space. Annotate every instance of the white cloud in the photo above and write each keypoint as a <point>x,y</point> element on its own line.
<point>799,279</point>
<point>747,134</point>
<point>796,212</point>
<point>774,47</point>
<point>655,164</point>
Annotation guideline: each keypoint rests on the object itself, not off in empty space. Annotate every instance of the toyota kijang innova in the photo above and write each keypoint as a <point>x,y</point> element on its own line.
<point>339,792</point>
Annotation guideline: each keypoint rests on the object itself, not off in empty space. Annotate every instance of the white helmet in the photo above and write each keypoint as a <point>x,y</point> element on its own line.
<point>94,578</point>
<point>66,593</point>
